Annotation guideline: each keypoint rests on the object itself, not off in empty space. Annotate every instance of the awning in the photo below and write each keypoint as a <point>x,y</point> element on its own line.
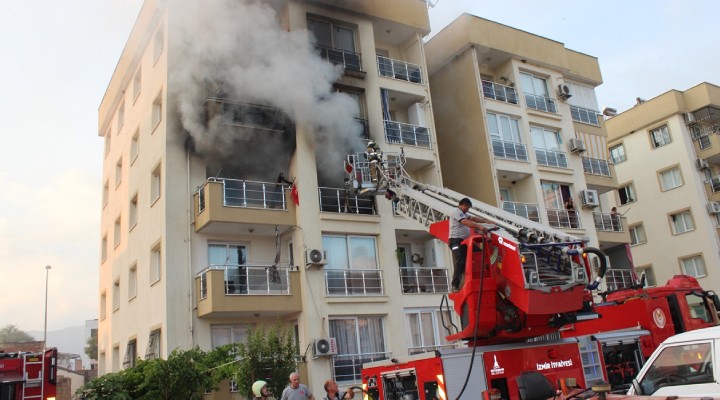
<point>9,377</point>
<point>616,338</point>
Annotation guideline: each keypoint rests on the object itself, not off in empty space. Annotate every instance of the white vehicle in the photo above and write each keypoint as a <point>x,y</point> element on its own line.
<point>687,364</point>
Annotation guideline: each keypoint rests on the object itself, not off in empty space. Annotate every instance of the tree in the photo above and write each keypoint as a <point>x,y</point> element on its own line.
<point>182,376</point>
<point>11,333</point>
<point>91,345</point>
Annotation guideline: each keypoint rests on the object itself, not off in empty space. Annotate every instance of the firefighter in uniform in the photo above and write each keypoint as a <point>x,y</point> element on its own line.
<point>374,156</point>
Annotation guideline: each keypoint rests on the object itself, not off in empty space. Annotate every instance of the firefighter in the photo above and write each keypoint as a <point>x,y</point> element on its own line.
<point>374,156</point>
<point>260,390</point>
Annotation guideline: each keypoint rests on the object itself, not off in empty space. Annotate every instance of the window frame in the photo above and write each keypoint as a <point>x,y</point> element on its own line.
<point>132,281</point>
<point>156,114</point>
<point>349,251</point>
<point>680,180</point>
<point>663,139</point>
<point>359,342</point>
<point>439,341</point>
<point>117,232</point>
<point>621,157</point>
<point>135,146</point>
<point>693,257</point>
<point>156,184</point>
<point>116,294</point>
<point>155,264</point>
<point>133,212</point>
<point>630,194</point>
<point>687,216</point>
<point>650,280</point>
<point>635,231</point>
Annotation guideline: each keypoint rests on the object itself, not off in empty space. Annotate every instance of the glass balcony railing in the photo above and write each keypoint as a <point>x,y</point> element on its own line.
<point>402,70</point>
<point>339,201</point>
<point>607,222</point>
<point>551,158</point>
<point>525,210</point>
<point>424,280</point>
<point>563,218</point>
<point>250,279</point>
<point>413,135</point>
<point>496,91</point>
<point>353,282</point>
<point>596,166</point>
<point>540,103</point>
<point>509,150</point>
<point>584,115</point>
<point>348,59</point>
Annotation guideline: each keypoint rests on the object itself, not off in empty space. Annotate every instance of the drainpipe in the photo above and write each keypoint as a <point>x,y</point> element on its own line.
<point>189,247</point>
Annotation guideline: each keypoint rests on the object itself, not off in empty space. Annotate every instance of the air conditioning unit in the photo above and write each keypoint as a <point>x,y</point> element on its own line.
<point>689,118</point>
<point>589,198</point>
<point>576,146</point>
<point>315,257</point>
<point>701,163</point>
<point>564,92</point>
<point>324,347</point>
<point>713,207</point>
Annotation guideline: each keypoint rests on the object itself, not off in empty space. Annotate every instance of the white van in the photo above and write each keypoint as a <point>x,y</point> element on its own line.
<point>685,365</point>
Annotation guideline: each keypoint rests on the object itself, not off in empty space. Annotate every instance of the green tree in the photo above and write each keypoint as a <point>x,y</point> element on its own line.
<point>91,345</point>
<point>182,376</point>
<point>11,333</point>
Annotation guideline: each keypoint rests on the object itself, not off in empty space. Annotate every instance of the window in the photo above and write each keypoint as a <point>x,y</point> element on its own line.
<point>617,154</point>
<point>226,334</point>
<point>504,128</point>
<point>108,140</point>
<point>425,330</point>
<point>360,340</point>
<point>132,282</point>
<point>700,307</point>
<point>627,194</point>
<point>116,233</point>
<point>637,235</point>
<point>649,274</point>
<point>158,43</point>
<point>681,222</point>
<point>106,193</point>
<point>670,179</point>
<point>660,137</point>
<point>135,146</point>
<point>130,354</point>
<point>103,306</point>
<point>232,258</point>
<point>547,147</point>
<point>118,172</point>
<point>582,96</point>
<point>116,295</point>
<point>133,214</point>
<point>153,348</point>
<point>137,84</point>
<point>155,185</point>
<point>157,112</point>
<point>350,252</point>
<point>536,93</point>
<point>336,42</point>
<point>103,248</point>
<point>121,115</point>
<point>155,264</point>
<point>116,358</point>
<point>680,364</point>
<point>693,266</point>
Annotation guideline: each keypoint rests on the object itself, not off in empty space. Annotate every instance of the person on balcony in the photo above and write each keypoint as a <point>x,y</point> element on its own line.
<point>615,219</point>
<point>460,224</point>
<point>572,216</point>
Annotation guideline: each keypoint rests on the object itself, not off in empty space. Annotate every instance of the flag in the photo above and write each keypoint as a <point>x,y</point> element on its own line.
<point>294,194</point>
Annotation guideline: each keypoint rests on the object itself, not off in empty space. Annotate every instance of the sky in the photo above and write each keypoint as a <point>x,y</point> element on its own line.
<point>58,57</point>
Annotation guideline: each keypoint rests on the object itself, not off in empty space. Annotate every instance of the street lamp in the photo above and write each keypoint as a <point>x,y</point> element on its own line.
<point>47,274</point>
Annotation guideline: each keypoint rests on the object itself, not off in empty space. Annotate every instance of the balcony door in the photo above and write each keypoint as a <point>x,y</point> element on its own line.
<point>232,258</point>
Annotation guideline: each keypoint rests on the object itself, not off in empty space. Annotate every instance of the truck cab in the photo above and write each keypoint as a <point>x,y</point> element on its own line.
<point>683,365</point>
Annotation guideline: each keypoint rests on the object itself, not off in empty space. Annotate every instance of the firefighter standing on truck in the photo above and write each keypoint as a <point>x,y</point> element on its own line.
<point>374,157</point>
<point>460,224</point>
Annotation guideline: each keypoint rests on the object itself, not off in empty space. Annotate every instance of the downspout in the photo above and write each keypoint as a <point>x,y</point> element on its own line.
<point>189,246</point>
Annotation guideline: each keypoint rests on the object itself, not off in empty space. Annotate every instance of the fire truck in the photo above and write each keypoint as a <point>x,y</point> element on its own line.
<point>28,375</point>
<point>524,284</point>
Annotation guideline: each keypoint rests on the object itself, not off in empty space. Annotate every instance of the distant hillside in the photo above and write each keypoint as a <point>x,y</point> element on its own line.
<point>69,340</point>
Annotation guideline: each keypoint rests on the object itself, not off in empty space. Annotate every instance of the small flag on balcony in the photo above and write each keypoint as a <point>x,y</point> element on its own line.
<point>348,167</point>
<point>294,194</point>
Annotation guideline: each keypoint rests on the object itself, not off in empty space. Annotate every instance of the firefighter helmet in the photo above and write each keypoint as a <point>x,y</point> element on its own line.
<point>257,388</point>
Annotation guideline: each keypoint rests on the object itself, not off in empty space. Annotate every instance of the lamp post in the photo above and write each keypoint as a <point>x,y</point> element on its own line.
<point>47,274</point>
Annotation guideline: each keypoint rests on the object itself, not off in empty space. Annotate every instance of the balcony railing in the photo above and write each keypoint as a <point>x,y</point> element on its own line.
<point>563,218</point>
<point>249,194</point>
<point>413,135</point>
<point>348,367</point>
<point>525,210</point>
<point>424,349</point>
<point>584,115</point>
<point>250,279</point>
<point>715,183</point>
<point>348,59</point>
<point>551,158</point>
<point>399,70</point>
<point>353,282</point>
<point>340,201</point>
<point>424,280</point>
<point>540,103</point>
<point>509,150</point>
<point>496,91</point>
<point>607,222</point>
<point>617,279</point>
<point>596,166</point>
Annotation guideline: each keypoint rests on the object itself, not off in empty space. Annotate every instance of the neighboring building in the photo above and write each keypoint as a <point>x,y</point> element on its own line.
<point>667,157</point>
<point>519,127</point>
<point>196,221</point>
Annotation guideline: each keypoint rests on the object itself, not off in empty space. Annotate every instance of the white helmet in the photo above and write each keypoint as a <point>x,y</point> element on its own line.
<point>257,388</point>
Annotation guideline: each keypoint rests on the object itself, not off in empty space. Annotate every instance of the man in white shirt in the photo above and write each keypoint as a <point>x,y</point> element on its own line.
<point>460,224</point>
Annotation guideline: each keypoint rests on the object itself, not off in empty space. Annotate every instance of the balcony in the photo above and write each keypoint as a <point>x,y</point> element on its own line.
<point>232,291</point>
<point>584,115</point>
<point>509,150</point>
<point>340,201</point>
<point>526,210</point>
<point>611,229</point>
<point>424,280</point>
<point>496,91</point>
<point>551,158</point>
<point>617,279</point>
<point>350,60</point>
<point>353,282</point>
<point>401,70</point>
<point>220,201</point>
<point>607,222</point>
<point>540,103</point>
<point>712,188</point>
<point>563,219</point>
<point>596,166</point>
<point>407,134</point>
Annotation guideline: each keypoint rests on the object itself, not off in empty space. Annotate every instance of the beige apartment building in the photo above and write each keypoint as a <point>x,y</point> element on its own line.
<point>201,235</point>
<point>519,127</point>
<point>667,157</point>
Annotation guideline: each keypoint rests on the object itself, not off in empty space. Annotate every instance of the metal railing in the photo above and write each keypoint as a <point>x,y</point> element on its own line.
<point>616,279</point>
<point>398,132</point>
<point>340,201</point>
<point>540,103</point>
<point>551,158</point>
<point>348,367</point>
<point>353,282</point>
<point>509,150</point>
<point>596,166</point>
<point>496,91</point>
<point>250,279</point>
<point>563,218</point>
<point>424,349</point>
<point>607,222</point>
<point>201,197</point>
<point>525,210</point>
<point>399,69</point>
<point>248,194</point>
<point>584,115</point>
<point>424,280</point>
<point>348,59</point>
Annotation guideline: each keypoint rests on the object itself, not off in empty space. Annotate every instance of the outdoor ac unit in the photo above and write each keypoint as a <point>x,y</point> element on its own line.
<point>564,91</point>
<point>589,198</point>
<point>576,145</point>
<point>713,207</point>
<point>324,347</point>
<point>315,257</point>
<point>689,118</point>
<point>701,163</point>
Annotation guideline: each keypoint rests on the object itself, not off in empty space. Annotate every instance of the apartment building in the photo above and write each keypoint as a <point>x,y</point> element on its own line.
<point>226,128</point>
<point>519,127</point>
<point>667,158</point>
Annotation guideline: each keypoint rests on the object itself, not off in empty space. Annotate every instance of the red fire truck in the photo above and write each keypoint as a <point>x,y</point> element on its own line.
<point>28,376</point>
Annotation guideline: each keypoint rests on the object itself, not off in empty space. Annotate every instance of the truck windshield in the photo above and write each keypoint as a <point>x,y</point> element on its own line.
<point>699,307</point>
<point>678,366</point>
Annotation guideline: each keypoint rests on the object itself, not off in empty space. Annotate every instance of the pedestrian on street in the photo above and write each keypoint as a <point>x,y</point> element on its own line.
<point>296,390</point>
